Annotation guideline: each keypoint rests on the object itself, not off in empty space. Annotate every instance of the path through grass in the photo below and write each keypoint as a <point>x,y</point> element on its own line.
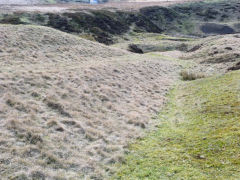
<point>198,135</point>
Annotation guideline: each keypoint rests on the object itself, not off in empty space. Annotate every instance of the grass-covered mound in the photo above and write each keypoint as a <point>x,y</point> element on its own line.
<point>68,106</point>
<point>197,137</point>
<point>37,44</point>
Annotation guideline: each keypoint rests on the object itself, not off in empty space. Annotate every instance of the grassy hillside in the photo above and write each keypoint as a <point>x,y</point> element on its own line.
<point>69,106</point>
<point>106,26</point>
<point>197,135</point>
<point>37,44</point>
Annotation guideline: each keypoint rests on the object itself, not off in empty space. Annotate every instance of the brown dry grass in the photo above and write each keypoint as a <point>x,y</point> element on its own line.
<point>190,76</point>
<point>215,54</point>
<point>208,56</point>
<point>28,45</point>
<point>67,111</point>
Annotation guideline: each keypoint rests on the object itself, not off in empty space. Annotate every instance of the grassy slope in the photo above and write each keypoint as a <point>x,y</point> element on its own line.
<point>198,137</point>
<point>69,106</point>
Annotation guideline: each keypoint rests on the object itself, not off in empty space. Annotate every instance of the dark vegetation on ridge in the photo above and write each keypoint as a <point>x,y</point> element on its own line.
<point>195,19</point>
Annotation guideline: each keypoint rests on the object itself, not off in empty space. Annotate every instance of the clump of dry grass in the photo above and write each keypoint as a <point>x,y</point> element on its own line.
<point>53,104</point>
<point>55,125</point>
<point>190,76</point>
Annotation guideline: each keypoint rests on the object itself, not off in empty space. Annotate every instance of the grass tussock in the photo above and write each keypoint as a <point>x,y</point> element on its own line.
<point>190,76</point>
<point>197,137</point>
<point>51,103</point>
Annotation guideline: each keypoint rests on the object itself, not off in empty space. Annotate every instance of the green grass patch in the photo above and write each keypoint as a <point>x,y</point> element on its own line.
<point>198,136</point>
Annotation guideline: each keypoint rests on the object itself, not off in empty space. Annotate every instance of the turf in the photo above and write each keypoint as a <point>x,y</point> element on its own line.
<point>197,136</point>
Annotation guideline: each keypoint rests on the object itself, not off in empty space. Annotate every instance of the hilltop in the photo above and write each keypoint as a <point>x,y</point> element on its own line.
<point>35,44</point>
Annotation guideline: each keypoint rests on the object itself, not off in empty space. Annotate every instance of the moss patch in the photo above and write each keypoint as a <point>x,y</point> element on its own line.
<point>197,137</point>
